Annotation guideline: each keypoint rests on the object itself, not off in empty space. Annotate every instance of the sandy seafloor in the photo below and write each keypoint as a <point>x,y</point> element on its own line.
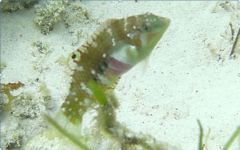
<point>188,76</point>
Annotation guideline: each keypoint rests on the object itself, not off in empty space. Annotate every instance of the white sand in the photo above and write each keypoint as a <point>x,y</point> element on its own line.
<point>189,75</point>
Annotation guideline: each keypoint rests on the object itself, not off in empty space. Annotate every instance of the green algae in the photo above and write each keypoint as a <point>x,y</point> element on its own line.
<point>64,132</point>
<point>232,139</point>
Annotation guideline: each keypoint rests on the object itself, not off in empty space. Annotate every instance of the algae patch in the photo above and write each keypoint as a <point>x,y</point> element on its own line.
<point>14,5</point>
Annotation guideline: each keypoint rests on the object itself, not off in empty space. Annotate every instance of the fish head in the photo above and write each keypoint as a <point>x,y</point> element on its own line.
<point>142,33</point>
<point>145,34</point>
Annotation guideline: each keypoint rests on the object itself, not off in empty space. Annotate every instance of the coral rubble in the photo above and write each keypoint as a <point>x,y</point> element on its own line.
<point>48,14</point>
<point>14,5</point>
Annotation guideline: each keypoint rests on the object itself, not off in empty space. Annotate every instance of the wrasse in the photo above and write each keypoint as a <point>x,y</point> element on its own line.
<point>115,48</point>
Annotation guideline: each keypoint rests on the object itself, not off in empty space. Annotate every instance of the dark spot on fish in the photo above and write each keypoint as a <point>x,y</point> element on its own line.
<point>101,69</point>
<point>74,56</point>
<point>105,64</point>
<point>95,78</point>
<point>145,27</point>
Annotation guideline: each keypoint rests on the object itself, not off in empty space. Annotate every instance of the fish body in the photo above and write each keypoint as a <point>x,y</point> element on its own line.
<point>115,48</point>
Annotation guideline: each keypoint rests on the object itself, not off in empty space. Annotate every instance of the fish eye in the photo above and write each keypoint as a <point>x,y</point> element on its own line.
<point>146,28</point>
<point>74,56</point>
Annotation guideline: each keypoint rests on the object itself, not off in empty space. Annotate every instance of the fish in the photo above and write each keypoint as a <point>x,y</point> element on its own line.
<point>116,47</point>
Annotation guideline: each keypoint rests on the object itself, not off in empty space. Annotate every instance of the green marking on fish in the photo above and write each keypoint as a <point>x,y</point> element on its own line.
<point>98,92</point>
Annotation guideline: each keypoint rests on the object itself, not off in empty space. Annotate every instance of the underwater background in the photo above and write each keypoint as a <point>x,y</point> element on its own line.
<point>192,73</point>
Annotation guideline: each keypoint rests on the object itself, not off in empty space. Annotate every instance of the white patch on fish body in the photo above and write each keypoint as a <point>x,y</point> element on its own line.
<point>73,93</point>
<point>103,79</point>
<point>85,88</point>
<point>113,42</point>
<point>122,54</point>
<point>79,68</point>
<point>131,35</point>
<point>104,55</point>
<point>93,72</point>
<point>144,40</point>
